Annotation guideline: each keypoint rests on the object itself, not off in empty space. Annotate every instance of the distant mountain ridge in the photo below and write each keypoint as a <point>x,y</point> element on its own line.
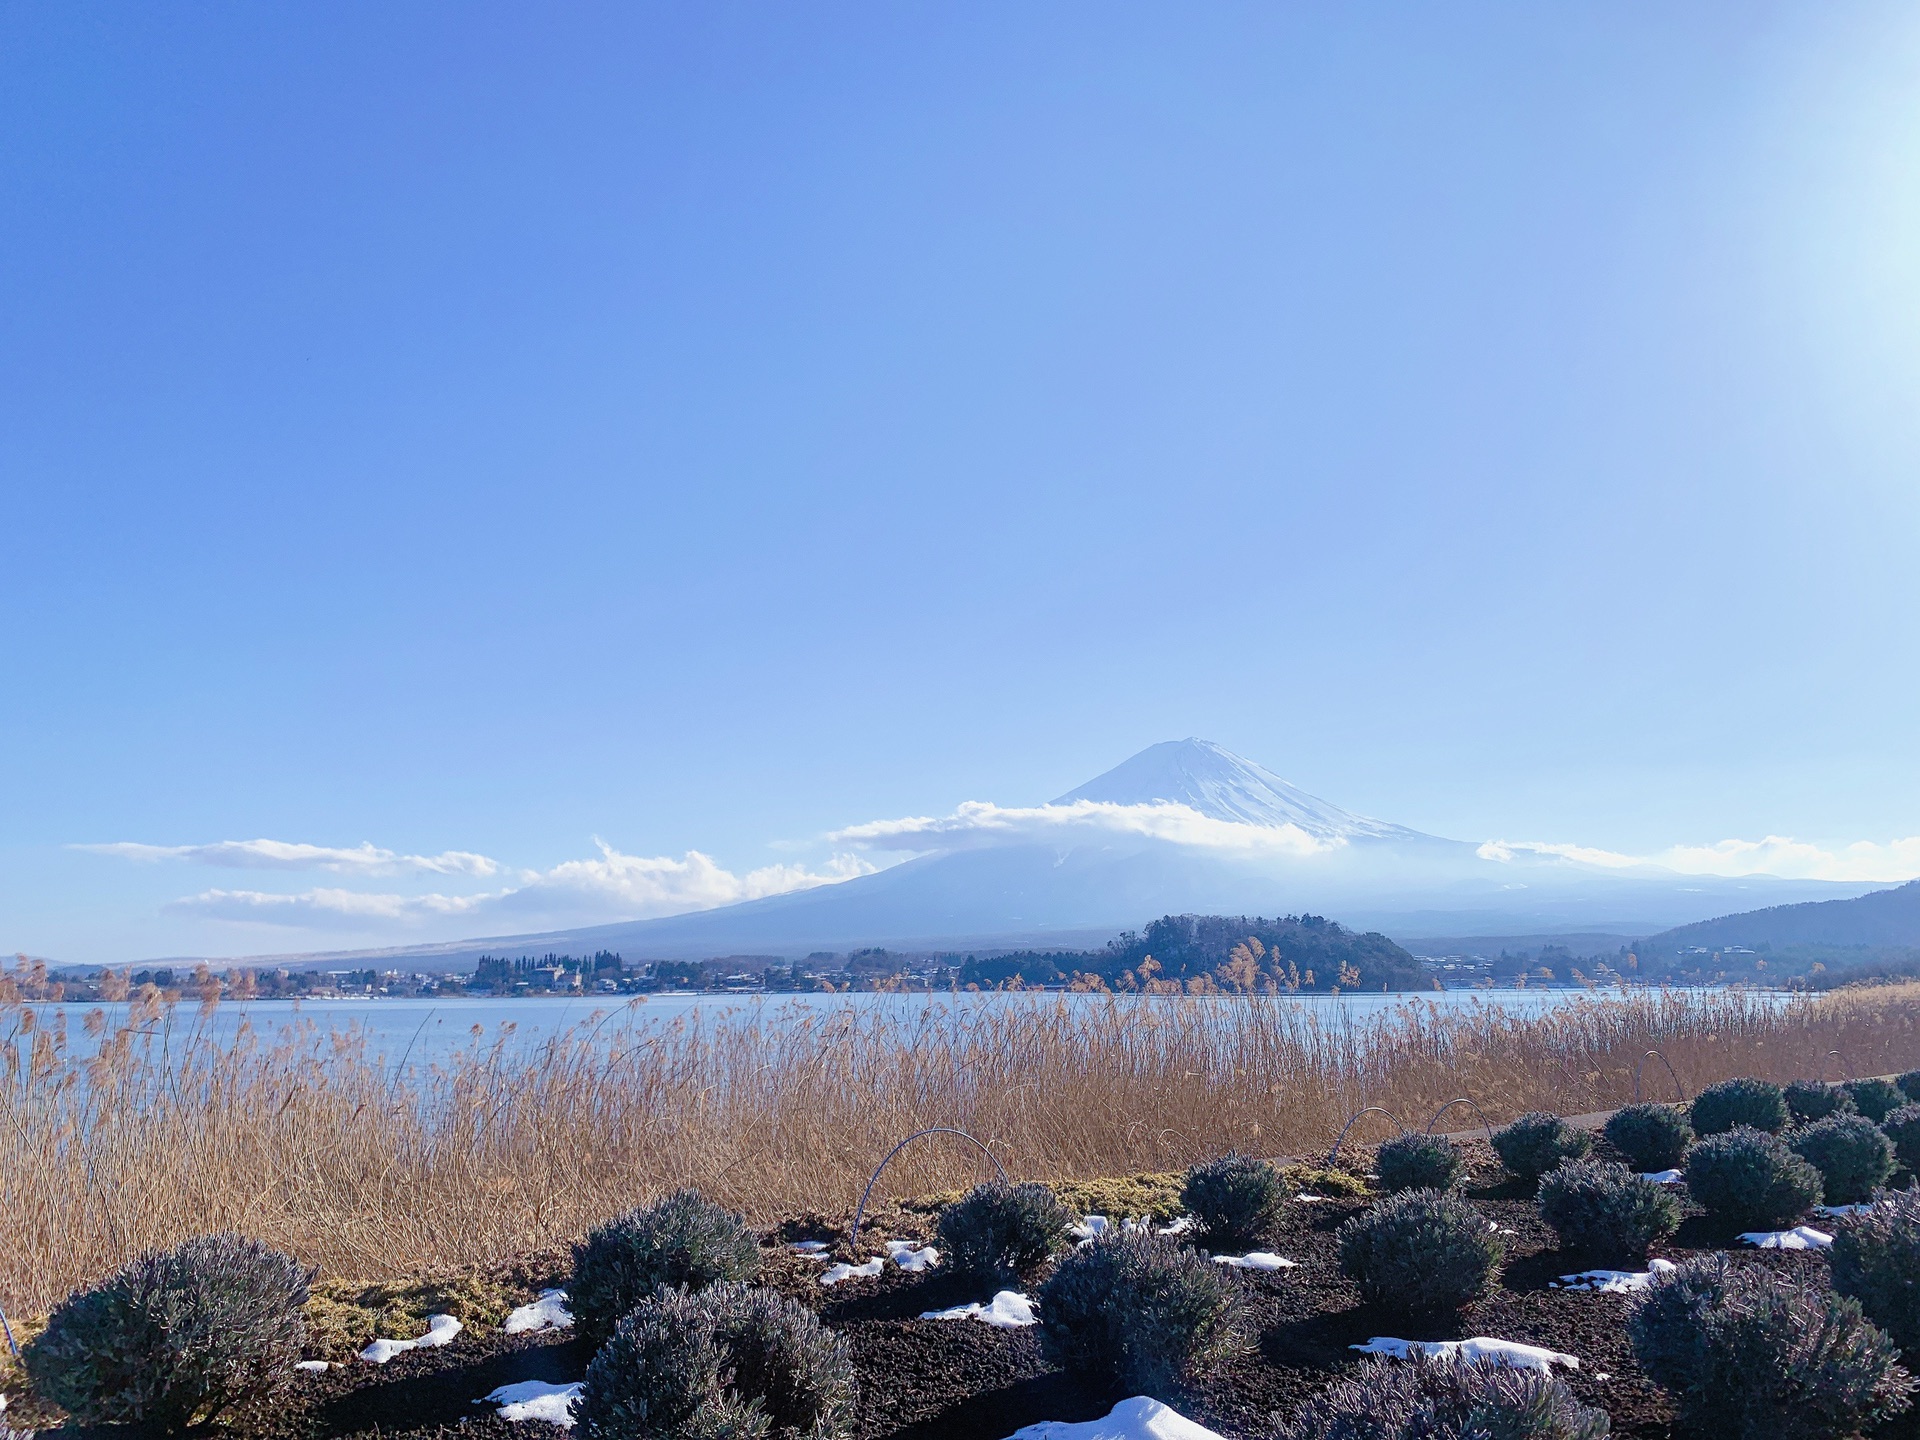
<point>1114,852</point>
<point>1885,917</point>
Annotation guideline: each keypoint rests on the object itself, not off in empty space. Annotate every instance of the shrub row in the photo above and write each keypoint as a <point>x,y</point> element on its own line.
<point>686,1346</point>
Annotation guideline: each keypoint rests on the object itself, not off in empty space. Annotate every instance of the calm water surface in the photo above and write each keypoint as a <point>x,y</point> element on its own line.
<point>425,1030</point>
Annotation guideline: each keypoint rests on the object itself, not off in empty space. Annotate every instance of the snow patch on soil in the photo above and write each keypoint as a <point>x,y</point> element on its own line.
<point>547,1311</point>
<point>1137,1419</point>
<point>1255,1260</point>
<point>1801,1237</point>
<point>1613,1282</point>
<point>1008,1310</point>
<point>1480,1347</point>
<point>841,1270</point>
<point>911,1257</point>
<point>440,1331</point>
<point>1092,1227</point>
<point>1664,1177</point>
<point>312,1367</point>
<point>535,1400</point>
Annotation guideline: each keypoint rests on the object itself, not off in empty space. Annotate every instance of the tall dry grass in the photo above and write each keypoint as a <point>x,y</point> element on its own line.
<point>144,1133</point>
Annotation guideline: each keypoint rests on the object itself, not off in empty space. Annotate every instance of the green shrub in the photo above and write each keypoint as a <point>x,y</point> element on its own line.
<point>1420,1251</point>
<point>1809,1100</point>
<point>1432,1399</point>
<point>1756,1356</point>
<point>174,1339</point>
<point>681,1240</point>
<point>1605,1210</point>
<point>1142,1312</point>
<point>1902,1127</point>
<point>1535,1143</point>
<point>1000,1233</point>
<point>1852,1154</point>
<point>1875,1099</point>
<point>1757,1104</point>
<point>1418,1162</point>
<point>1749,1179</point>
<point>1652,1137</point>
<point>1876,1260</point>
<point>1909,1084</point>
<point>724,1363</point>
<point>1234,1199</point>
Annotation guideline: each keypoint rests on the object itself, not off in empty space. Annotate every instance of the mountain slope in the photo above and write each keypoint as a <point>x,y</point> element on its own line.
<point>1885,917</point>
<point>1115,853</point>
<point>1223,786</point>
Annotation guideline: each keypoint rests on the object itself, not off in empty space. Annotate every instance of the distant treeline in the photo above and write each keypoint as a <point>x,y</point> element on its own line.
<point>1202,953</point>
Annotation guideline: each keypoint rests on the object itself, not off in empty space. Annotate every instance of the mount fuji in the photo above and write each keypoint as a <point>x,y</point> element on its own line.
<point>1182,827</point>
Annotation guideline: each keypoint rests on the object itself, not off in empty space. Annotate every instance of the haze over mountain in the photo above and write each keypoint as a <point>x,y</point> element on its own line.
<point>1182,827</point>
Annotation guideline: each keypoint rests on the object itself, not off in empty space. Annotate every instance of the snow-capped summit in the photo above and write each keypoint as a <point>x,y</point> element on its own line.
<point>1224,786</point>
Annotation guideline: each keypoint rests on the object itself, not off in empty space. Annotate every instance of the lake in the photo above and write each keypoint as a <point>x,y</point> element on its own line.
<point>428,1029</point>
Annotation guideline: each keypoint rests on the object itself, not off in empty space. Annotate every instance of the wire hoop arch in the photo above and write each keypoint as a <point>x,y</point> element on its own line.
<point>853,1235</point>
<point>1485,1123</point>
<point>1334,1154</point>
<point>1679,1089</point>
<point>1846,1070</point>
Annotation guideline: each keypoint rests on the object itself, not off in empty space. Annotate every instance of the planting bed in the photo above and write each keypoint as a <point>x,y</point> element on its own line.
<point>934,1379</point>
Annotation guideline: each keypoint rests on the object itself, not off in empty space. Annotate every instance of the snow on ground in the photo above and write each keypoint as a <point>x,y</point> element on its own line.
<point>1614,1282</point>
<point>1092,1227</point>
<point>840,1270</point>
<point>312,1367</point>
<point>1305,1199</point>
<point>440,1331</point>
<point>1255,1260</point>
<point>911,1257</point>
<point>1837,1211</point>
<point>1801,1237</point>
<point>812,1249</point>
<point>1137,1419</point>
<point>1664,1177</point>
<point>535,1400</point>
<point>1009,1310</point>
<point>547,1311</point>
<point>1480,1347</point>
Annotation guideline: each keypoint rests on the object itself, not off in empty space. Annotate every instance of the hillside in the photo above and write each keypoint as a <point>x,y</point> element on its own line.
<point>1295,952</point>
<point>1882,918</point>
<point>1184,827</point>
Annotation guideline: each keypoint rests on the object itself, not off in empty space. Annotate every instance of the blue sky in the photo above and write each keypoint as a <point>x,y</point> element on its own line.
<point>512,431</point>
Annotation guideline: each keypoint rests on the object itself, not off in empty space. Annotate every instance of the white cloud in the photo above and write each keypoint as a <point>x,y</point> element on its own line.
<point>1863,861</point>
<point>362,859</point>
<point>980,822</point>
<point>613,886</point>
<point>326,908</point>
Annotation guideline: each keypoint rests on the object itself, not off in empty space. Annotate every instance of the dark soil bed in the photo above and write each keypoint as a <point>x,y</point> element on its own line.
<point>962,1380</point>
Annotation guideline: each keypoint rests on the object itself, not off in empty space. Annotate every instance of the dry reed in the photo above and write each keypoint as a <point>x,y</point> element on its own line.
<point>152,1130</point>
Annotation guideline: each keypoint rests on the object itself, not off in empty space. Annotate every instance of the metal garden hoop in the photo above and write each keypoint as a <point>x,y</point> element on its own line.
<point>1485,1123</point>
<point>1334,1154</point>
<point>853,1236</point>
<point>1845,1069</point>
<point>1679,1089</point>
